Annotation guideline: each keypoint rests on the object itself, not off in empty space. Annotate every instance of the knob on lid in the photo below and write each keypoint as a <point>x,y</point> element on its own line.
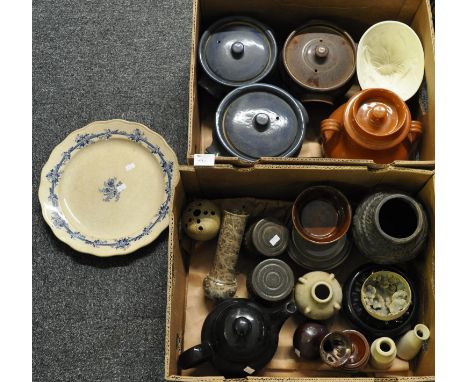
<point>236,51</point>
<point>260,120</point>
<point>377,119</point>
<point>320,56</point>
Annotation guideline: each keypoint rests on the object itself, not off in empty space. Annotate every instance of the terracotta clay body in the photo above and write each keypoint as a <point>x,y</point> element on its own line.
<point>374,124</point>
<point>221,281</point>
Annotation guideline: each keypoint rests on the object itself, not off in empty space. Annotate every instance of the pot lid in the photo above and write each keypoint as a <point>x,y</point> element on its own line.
<point>238,332</point>
<point>237,50</point>
<point>377,119</point>
<point>269,237</point>
<point>320,56</point>
<point>272,280</point>
<point>260,120</point>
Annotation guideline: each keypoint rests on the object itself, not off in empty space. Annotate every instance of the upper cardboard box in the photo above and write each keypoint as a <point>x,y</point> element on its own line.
<point>284,16</point>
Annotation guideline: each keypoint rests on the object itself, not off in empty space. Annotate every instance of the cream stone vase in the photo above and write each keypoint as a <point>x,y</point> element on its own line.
<point>318,295</point>
<point>383,352</point>
<point>410,344</point>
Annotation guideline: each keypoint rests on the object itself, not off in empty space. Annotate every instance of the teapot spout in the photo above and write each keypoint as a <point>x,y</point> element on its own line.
<point>282,312</point>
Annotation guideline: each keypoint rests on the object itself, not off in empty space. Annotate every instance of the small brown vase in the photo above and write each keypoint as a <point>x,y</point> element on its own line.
<point>374,124</point>
<point>307,339</point>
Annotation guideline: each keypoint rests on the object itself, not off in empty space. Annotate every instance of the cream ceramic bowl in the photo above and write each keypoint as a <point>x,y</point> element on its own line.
<point>390,56</point>
<point>106,189</point>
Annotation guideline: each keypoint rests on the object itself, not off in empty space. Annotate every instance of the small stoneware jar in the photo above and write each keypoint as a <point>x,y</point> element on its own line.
<point>236,51</point>
<point>410,344</point>
<point>201,220</point>
<point>307,339</point>
<point>267,237</point>
<point>318,295</point>
<point>383,352</point>
<point>390,227</point>
<point>239,337</point>
<point>319,59</point>
<point>360,352</point>
<point>336,349</point>
<point>321,217</point>
<point>272,280</point>
<point>374,124</point>
<point>259,120</point>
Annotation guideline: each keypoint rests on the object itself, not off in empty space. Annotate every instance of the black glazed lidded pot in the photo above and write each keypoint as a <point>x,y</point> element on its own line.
<point>260,120</point>
<point>236,51</point>
<point>239,337</point>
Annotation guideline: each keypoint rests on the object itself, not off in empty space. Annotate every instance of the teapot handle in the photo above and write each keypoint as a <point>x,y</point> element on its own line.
<point>329,127</point>
<point>416,130</point>
<point>194,356</point>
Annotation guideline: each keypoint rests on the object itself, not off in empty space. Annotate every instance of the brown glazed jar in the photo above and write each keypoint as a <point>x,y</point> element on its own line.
<point>374,124</point>
<point>319,58</point>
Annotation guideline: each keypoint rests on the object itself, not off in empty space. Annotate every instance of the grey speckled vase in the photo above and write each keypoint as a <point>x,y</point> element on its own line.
<point>390,227</point>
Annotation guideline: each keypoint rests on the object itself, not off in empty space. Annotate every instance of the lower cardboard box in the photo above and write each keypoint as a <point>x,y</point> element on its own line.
<point>187,265</point>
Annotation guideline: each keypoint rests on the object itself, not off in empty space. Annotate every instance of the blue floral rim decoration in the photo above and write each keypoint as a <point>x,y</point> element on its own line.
<point>83,140</point>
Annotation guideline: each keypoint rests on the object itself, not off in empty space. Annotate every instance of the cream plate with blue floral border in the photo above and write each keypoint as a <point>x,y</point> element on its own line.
<point>106,189</point>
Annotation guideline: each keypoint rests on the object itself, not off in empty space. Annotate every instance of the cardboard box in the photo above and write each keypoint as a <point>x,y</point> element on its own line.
<point>187,308</point>
<point>284,16</point>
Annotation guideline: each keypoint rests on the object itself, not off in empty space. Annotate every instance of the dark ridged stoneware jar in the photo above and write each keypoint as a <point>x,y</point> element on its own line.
<point>260,120</point>
<point>390,227</point>
<point>236,51</point>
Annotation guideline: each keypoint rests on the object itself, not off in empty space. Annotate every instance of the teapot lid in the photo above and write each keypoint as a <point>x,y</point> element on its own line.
<point>236,51</point>
<point>320,56</point>
<point>238,332</point>
<point>260,120</point>
<point>377,119</point>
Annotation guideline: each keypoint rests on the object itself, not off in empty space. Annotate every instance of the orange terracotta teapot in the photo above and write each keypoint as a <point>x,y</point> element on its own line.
<point>374,124</point>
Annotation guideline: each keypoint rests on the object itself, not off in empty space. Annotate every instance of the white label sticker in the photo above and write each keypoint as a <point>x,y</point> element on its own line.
<point>298,353</point>
<point>274,240</point>
<point>130,166</point>
<point>249,370</point>
<point>204,160</point>
<point>121,187</point>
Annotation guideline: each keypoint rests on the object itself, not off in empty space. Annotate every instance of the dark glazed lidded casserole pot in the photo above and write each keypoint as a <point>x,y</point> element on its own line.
<point>239,337</point>
<point>320,59</point>
<point>321,217</point>
<point>374,124</point>
<point>236,51</point>
<point>260,120</point>
<point>390,227</point>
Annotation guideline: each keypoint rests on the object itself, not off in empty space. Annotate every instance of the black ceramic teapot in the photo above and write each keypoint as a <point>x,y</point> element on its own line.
<point>239,337</point>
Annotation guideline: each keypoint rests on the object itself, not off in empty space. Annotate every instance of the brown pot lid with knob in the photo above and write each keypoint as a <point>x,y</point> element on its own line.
<point>377,119</point>
<point>320,56</point>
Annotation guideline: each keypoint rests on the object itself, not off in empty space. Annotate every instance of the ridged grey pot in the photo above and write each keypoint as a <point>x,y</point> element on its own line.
<point>390,227</point>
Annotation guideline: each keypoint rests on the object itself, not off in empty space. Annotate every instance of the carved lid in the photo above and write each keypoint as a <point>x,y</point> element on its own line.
<point>320,56</point>
<point>237,51</point>
<point>269,237</point>
<point>260,120</point>
<point>377,119</point>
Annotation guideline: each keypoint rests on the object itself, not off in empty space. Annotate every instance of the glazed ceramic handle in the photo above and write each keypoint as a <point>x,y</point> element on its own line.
<point>329,127</point>
<point>194,356</point>
<point>221,281</point>
<point>415,132</point>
